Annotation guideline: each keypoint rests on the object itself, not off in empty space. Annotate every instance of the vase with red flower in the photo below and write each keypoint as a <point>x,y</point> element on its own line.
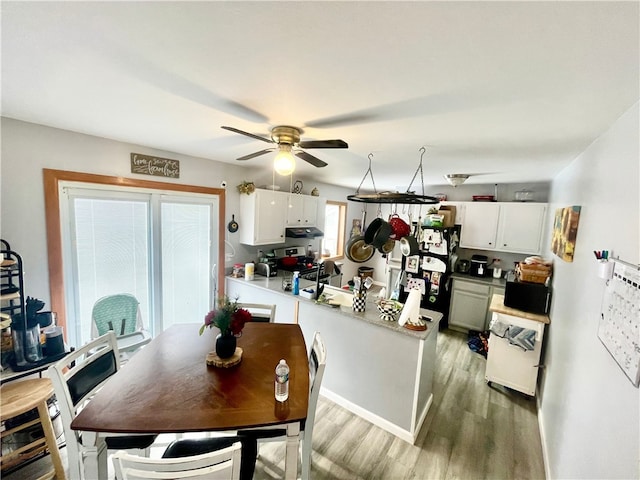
<point>229,318</point>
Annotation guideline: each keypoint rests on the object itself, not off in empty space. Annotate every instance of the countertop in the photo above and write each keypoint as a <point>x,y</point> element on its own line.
<point>497,305</point>
<point>370,315</point>
<point>495,282</point>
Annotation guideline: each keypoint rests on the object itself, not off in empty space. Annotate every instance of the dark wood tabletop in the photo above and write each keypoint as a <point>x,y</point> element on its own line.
<point>167,386</point>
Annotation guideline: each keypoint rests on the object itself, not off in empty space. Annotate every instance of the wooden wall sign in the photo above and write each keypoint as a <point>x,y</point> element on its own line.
<point>160,167</point>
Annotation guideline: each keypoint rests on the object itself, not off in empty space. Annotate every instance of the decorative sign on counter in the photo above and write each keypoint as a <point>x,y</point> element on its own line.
<point>619,328</point>
<point>160,167</point>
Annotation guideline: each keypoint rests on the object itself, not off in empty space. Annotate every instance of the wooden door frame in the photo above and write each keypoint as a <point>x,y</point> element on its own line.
<point>52,179</point>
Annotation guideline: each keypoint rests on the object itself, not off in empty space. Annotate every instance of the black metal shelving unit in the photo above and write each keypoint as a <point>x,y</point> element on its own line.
<point>11,272</point>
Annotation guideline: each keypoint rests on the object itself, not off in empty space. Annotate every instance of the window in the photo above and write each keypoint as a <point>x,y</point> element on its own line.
<point>160,241</point>
<point>114,236</point>
<point>334,227</point>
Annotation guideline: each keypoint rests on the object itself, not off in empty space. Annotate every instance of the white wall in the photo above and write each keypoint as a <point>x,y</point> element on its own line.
<point>28,148</point>
<point>589,409</point>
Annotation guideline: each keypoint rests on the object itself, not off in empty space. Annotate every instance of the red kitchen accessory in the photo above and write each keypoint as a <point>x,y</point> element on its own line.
<point>483,198</point>
<point>289,261</point>
<point>399,228</point>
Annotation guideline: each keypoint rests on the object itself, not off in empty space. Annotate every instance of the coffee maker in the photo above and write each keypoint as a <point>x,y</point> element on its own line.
<point>479,265</point>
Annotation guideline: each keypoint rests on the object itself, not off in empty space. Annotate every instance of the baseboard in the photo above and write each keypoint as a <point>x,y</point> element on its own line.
<point>378,421</point>
<point>542,437</point>
<point>422,418</point>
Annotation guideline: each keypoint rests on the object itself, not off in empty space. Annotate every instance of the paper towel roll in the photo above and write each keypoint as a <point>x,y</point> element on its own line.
<point>411,310</point>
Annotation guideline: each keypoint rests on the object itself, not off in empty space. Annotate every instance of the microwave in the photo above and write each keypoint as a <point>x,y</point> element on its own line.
<point>528,297</point>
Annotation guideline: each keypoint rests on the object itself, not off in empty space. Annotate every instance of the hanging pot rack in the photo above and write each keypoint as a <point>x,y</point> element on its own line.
<point>407,197</point>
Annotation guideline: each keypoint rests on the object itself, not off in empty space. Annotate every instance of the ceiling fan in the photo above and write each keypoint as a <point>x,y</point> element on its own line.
<point>287,139</point>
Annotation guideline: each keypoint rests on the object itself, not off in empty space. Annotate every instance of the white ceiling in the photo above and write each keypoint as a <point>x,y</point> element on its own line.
<point>508,91</point>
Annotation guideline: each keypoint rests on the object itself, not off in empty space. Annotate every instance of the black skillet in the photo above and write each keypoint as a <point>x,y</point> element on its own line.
<point>233,225</point>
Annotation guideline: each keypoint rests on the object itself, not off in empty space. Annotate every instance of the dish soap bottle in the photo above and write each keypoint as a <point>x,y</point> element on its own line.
<point>296,283</point>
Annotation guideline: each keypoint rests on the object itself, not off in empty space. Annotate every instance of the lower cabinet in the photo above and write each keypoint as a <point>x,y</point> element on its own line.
<point>511,365</point>
<point>470,304</point>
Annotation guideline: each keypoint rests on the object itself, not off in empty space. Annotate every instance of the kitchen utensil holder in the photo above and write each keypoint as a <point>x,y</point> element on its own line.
<point>359,301</point>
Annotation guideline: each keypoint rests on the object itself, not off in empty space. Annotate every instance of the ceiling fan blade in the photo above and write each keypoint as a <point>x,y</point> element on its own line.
<point>307,157</point>
<point>241,132</point>
<point>324,144</point>
<point>256,154</point>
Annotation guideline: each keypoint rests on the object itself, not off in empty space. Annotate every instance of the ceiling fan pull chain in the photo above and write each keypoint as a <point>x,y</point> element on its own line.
<point>368,172</point>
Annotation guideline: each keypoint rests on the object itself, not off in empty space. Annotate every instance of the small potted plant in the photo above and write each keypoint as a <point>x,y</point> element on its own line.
<point>247,187</point>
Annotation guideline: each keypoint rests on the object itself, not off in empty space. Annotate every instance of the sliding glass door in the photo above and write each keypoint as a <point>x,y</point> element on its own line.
<point>155,246</point>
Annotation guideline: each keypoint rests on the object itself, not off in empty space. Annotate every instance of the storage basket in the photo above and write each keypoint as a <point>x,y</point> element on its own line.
<point>534,273</point>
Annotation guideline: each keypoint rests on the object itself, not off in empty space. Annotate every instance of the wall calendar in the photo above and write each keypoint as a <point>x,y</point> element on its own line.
<point>619,328</point>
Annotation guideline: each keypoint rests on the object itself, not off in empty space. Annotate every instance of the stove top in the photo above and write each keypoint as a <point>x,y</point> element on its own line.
<point>304,266</point>
<point>307,266</point>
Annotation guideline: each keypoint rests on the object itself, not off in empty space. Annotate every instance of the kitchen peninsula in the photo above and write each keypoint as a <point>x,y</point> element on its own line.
<point>375,368</point>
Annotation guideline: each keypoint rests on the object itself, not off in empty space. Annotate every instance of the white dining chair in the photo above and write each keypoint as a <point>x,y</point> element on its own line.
<point>317,363</point>
<point>76,378</point>
<point>260,312</point>
<point>219,464</point>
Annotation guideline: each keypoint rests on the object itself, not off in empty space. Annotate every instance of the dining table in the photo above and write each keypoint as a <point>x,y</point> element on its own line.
<point>168,387</point>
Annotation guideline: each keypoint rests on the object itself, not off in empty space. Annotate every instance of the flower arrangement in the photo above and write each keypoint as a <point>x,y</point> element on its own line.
<point>247,187</point>
<point>228,317</point>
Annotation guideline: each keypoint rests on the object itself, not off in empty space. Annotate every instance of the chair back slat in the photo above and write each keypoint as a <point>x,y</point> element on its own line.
<point>91,375</point>
<point>260,312</point>
<point>219,464</point>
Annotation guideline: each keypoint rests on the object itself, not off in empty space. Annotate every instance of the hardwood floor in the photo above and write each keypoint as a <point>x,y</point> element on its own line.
<point>472,431</point>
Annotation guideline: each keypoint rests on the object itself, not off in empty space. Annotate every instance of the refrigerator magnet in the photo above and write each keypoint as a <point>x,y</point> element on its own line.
<point>413,263</point>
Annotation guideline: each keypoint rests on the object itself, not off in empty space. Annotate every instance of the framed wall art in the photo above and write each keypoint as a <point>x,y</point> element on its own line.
<point>565,231</point>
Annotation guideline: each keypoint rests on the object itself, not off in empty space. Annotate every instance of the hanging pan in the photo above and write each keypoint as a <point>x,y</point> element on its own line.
<point>409,244</point>
<point>233,225</point>
<point>357,249</point>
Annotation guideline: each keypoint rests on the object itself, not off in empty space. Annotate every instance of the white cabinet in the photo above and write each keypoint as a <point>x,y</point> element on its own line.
<point>508,227</point>
<point>480,225</point>
<point>511,365</point>
<point>520,227</point>
<point>470,302</point>
<point>262,217</point>
<point>302,210</point>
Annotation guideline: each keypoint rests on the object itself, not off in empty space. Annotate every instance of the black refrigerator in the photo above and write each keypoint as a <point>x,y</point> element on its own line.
<point>430,269</point>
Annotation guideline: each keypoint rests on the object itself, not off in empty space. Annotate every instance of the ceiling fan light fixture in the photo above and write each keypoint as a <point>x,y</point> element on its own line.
<point>456,179</point>
<point>284,164</point>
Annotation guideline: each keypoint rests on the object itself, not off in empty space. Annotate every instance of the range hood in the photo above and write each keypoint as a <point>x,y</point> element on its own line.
<point>304,232</point>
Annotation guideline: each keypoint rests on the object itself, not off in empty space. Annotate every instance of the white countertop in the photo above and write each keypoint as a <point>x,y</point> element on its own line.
<point>370,315</point>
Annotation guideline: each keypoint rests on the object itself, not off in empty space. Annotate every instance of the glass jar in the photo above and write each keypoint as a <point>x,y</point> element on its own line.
<point>524,196</point>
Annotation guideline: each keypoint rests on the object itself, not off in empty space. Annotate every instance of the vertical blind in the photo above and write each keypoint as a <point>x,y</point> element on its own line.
<point>153,246</point>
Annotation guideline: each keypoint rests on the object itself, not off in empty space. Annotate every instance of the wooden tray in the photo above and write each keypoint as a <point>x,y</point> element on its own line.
<point>215,361</point>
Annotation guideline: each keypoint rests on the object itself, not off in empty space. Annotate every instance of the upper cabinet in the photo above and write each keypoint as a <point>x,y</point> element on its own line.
<point>508,227</point>
<point>302,211</point>
<point>520,227</point>
<point>479,225</point>
<point>262,217</point>
<point>265,214</point>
